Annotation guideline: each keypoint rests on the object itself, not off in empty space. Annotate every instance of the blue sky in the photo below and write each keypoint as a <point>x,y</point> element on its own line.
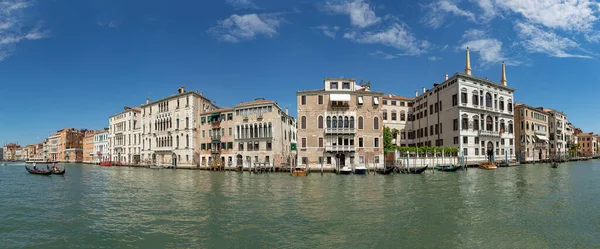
<point>75,63</point>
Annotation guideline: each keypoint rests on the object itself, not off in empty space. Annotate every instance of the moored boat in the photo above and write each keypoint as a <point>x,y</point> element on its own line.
<point>106,163</point>
<point>450,168</point>
<point>360,170</point>
<point>487,165</point>
<point>36,171</point>
<point>554,165</point>
<point>156,167</point>
<point>299,171</point>
<point>346,170</point>
<point>415,170</point>
<point>385,171</point>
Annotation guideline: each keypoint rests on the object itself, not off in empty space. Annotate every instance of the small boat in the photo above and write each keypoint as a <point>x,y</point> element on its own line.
<point>487,165</point>
<point>451,168</point>
<point>360,170</point>
<point>37,171</point>
<point>106,164</point>
<point>156,167</point>
<point>4,164</point>
<point>554,165</point>
<point>299,171</point>
<point>416,170</point>
<point>346,170</point>
<point>385,171</point>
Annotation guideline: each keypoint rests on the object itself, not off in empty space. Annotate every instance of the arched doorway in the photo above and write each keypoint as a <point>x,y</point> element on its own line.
<point>154,159</point>
<point>490,150</point>
<point>342,160</point>
<point>174,160</point>
<point>239,160</point>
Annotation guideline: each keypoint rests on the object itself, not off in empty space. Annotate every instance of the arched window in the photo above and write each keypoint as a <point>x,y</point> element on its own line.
<point>187,141</point>
<point>303,122</point>
<point>488,100</point>
<point>346,122</point>
<point>489,123</point>
<point>502,126</point>
<point>465,122</point>
<point>475,98</point>
<point>385,115</point>
<point>475,122</point>
<point>526,125</point>
<point>177,141</point>
<point>334,122</point>
<point>402,116</point>
<point>501,104</point>
<point>352,122</point>
<point>360,123</point>
<point>376,123</point>
<point>320,122</point>
<point>187,122</point>
<point>510,127</point>
<point>328,122</point>
<point>510,106</point>
<point>340,122</point>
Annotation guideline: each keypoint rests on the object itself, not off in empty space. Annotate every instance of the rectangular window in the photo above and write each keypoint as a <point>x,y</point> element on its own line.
<point>477,151</point>
<point>394,116</point>
<point>476,140</point>
<point>320,142</point>
<point>320,160</point>
<point>431,130</point>
<point>384,102</point>
<point>437,129</point>
<point>333,85</point>
<point>455,124</point>
<point>465,151</point>
<point>303,99</point>
<point>425,133</point>
<point>463,98</point>
<point>465,140</point>
<point>328,160</point>
<point>430,109</point>
<point>393,102</point>
<point>320,99</point>
<point>360,142</point>
<point>454,100</point>
<point>376,142</point>
<point>304,160</point>
<point>455,140</point>
<point>376,159</point>
<point>345,85</point>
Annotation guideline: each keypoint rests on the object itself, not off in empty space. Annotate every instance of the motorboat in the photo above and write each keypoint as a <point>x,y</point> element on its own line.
<point>360,170</point>
<point>299,171</point>
<point>346,170</point>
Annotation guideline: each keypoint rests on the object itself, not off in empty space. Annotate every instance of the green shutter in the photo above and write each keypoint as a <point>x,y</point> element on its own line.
<point>293,146</point>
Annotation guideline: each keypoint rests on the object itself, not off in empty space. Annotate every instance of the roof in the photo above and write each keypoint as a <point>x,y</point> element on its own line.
<point>224,109</point>
<point>483,80</point>
<point>127,109</point>
<point>539,109</point>
<point>196,94</point>
<point>255,102</point>
<point>392,96</point>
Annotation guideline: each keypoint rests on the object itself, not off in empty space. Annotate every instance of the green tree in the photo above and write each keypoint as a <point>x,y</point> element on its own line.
<point>387,139</point>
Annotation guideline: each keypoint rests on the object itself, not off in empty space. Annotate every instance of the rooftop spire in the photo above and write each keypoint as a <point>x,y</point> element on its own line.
<point>468,66</point>
<point>503,80</point>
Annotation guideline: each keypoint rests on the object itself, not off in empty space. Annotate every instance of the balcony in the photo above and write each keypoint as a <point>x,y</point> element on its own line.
<point>340,130</point>
<point>215,124</point>
<point>541,145</point>
<point>339,105</point>
<point>542,133</point>
<point>215,137</point>
<point>489,133</point>
<point>342,148</point>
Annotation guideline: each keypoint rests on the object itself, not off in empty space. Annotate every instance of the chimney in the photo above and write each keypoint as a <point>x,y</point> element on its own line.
<point>147,101</point>
<point>446,76</point>
<point>423,90</point>
<point>468,65</point>
<point>417,93</point>
<point>286,111</point>
<point>200,93</point>
<point>181,89</point>
<point>503,80</point>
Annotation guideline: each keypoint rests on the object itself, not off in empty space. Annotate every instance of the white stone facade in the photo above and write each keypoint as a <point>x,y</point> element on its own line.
<point>169,131</point>
<point>560,133</point>
<point>469,113</point>
<point>395,112</point>
<point>101,147</point>
<point>124,137</point>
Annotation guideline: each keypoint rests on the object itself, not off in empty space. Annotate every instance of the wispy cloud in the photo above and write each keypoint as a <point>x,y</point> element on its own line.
<point>438,11</point>
<point>237,28</point>
<point>12,21</point>
<point>489,49</point>
<point>384,55</point>
<point>361,13</point>
<point>242,4</point>
<point>434,58</point>
<point>578,15</point>
<point>329,31</point>
<point>109,24</point>
<point>536,40</point>
<point>396,35</point>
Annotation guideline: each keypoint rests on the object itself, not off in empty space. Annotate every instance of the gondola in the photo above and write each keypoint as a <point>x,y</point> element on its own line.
<point>417,170</point>
<point>451,168</point>
<point>57,171</point>
<point>385,171</point>
<point>38,172</point>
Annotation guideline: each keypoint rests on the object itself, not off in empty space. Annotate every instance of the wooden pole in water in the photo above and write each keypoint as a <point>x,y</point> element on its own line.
<point>322,161</point>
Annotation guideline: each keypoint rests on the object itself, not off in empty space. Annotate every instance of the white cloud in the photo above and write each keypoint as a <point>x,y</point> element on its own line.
<point>436,16</point>
<point>397,36</point>
<point>246,27</point>
<point>384,55</point>
<point>361,14</point>
<point>578,15</point>
<point>329,31</point>
<point>473,34</point>
<point>242,4</point>
<point>536,40</point>
<point>434,58</point>
<point>12,21</point>
<point>109,24</point>
<point>490,50</point>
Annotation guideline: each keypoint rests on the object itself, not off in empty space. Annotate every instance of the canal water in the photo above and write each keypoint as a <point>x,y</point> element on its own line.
<point>530,206</point>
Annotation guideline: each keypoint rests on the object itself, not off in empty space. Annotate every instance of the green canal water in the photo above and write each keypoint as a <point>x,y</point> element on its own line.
<point>530,206</point>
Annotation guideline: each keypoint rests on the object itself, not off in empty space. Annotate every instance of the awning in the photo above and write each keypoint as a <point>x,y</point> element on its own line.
<point>360,100</point>
<point>528,140</point>
<point>217,114</point>
<point>542,137</point>
<point>376,100</point>
<point>339,97</point>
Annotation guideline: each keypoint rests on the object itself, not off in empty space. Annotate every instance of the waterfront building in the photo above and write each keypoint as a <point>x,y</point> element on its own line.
<point>101,146</point>
<point>19,154</point>
<point>125,137</point>
<point>69,142</point>
<point>340,125</point>
<point>588,143</point>
<point>39,150</point>
<point>396,111</point>
<point>532,132</point>
<point>12,151</point>
<point>559,132</point>
<point>29,151</point>
<point>170,121</point>
<point>53,147</point>
<point>468,112</point>
<point>1,153</point>
<point>88,146</point>
<point>216,141</point>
